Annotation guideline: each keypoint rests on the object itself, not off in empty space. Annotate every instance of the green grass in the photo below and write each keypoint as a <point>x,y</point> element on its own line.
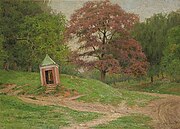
<point>28,81</point>
<point>134,121</point>
<point>133,98</point>
<point>162,87</point>
<point>96,91</point>
<point>15,114</point>
<point>93,90</point>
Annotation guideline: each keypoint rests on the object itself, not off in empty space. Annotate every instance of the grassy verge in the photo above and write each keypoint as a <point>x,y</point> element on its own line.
<point>133,98</point>
<point>15,114</point>
<point>156,87</point>
<point>134,121</point>
<point>29,82</point>
<point>96,91</point>
<point>93,90</point>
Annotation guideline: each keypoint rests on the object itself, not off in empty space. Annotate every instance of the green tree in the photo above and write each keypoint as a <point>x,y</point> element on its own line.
<point>12,13</point>
<point>40,35</point>
<point>173,19</point>
<point>171,60</point>
<point>153,36</point>
<point>2,52</point>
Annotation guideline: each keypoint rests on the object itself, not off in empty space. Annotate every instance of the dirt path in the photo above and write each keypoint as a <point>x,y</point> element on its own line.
<point>165,111</point>
<point>8,88</point>
<point>110,112</point>
<point>103,120</point>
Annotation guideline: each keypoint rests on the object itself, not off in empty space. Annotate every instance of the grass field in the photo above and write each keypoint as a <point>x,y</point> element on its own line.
<point>134,121</point>
<point>162,87</point>
<point>93,90</point>
<point>15,114</point>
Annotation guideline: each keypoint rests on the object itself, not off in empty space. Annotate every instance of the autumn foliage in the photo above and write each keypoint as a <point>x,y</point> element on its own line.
<point>103,32</point>
<point>130,56</point>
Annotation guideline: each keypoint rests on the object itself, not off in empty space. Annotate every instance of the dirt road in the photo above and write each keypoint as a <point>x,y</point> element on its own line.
<point>165,112</point>
<point>109,112</point>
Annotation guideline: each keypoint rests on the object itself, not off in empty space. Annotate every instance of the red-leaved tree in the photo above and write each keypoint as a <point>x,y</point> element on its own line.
<point>102,30</point>
<point>130,56</point>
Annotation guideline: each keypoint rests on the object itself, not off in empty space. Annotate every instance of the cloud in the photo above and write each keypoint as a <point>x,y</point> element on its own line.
<point>145,8</point>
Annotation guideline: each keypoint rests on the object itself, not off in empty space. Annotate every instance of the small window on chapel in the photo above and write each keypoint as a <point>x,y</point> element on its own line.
<point>49,77</point>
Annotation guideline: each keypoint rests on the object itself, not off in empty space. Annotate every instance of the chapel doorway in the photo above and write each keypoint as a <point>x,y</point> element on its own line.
<point>49,77</point>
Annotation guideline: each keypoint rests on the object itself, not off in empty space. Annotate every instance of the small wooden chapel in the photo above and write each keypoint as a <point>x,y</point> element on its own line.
<point>49,72</point>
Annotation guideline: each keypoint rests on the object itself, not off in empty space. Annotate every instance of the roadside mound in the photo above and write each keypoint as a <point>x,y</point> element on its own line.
<point>28,83</point>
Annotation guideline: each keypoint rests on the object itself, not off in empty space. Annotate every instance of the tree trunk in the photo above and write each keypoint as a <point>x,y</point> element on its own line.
<point>162,75</point>
<point>14,66</point>
<point>158,75</point>
<point>30,68</point>
<point>6,66</point>
<point>152,79</point>
<point>103,74</point>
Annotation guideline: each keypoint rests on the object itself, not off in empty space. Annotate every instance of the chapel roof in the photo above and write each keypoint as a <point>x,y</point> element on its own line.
<point>47,61</point>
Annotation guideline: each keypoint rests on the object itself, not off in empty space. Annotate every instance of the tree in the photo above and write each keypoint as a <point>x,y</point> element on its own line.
<point>40,35</point>
<point>30,30</point>
<point>12,13</point>
<point>173,19</point>
<point>2,52</point>
<point>171,60</point>
<point>152,34</point>
<point>130,56</point>
<point>96,26</point>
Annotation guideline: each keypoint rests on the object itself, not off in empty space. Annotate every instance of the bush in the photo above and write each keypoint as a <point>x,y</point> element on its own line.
<point>110,78</point>
<point>69,69</point>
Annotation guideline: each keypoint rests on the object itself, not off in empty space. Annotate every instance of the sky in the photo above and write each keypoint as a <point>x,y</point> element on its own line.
<point>144,8</point>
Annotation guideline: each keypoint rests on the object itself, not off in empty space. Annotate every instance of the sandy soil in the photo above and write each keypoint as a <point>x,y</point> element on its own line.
<point>165,112</point>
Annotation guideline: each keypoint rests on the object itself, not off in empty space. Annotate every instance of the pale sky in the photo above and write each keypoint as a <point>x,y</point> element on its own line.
<point>144,8</point>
